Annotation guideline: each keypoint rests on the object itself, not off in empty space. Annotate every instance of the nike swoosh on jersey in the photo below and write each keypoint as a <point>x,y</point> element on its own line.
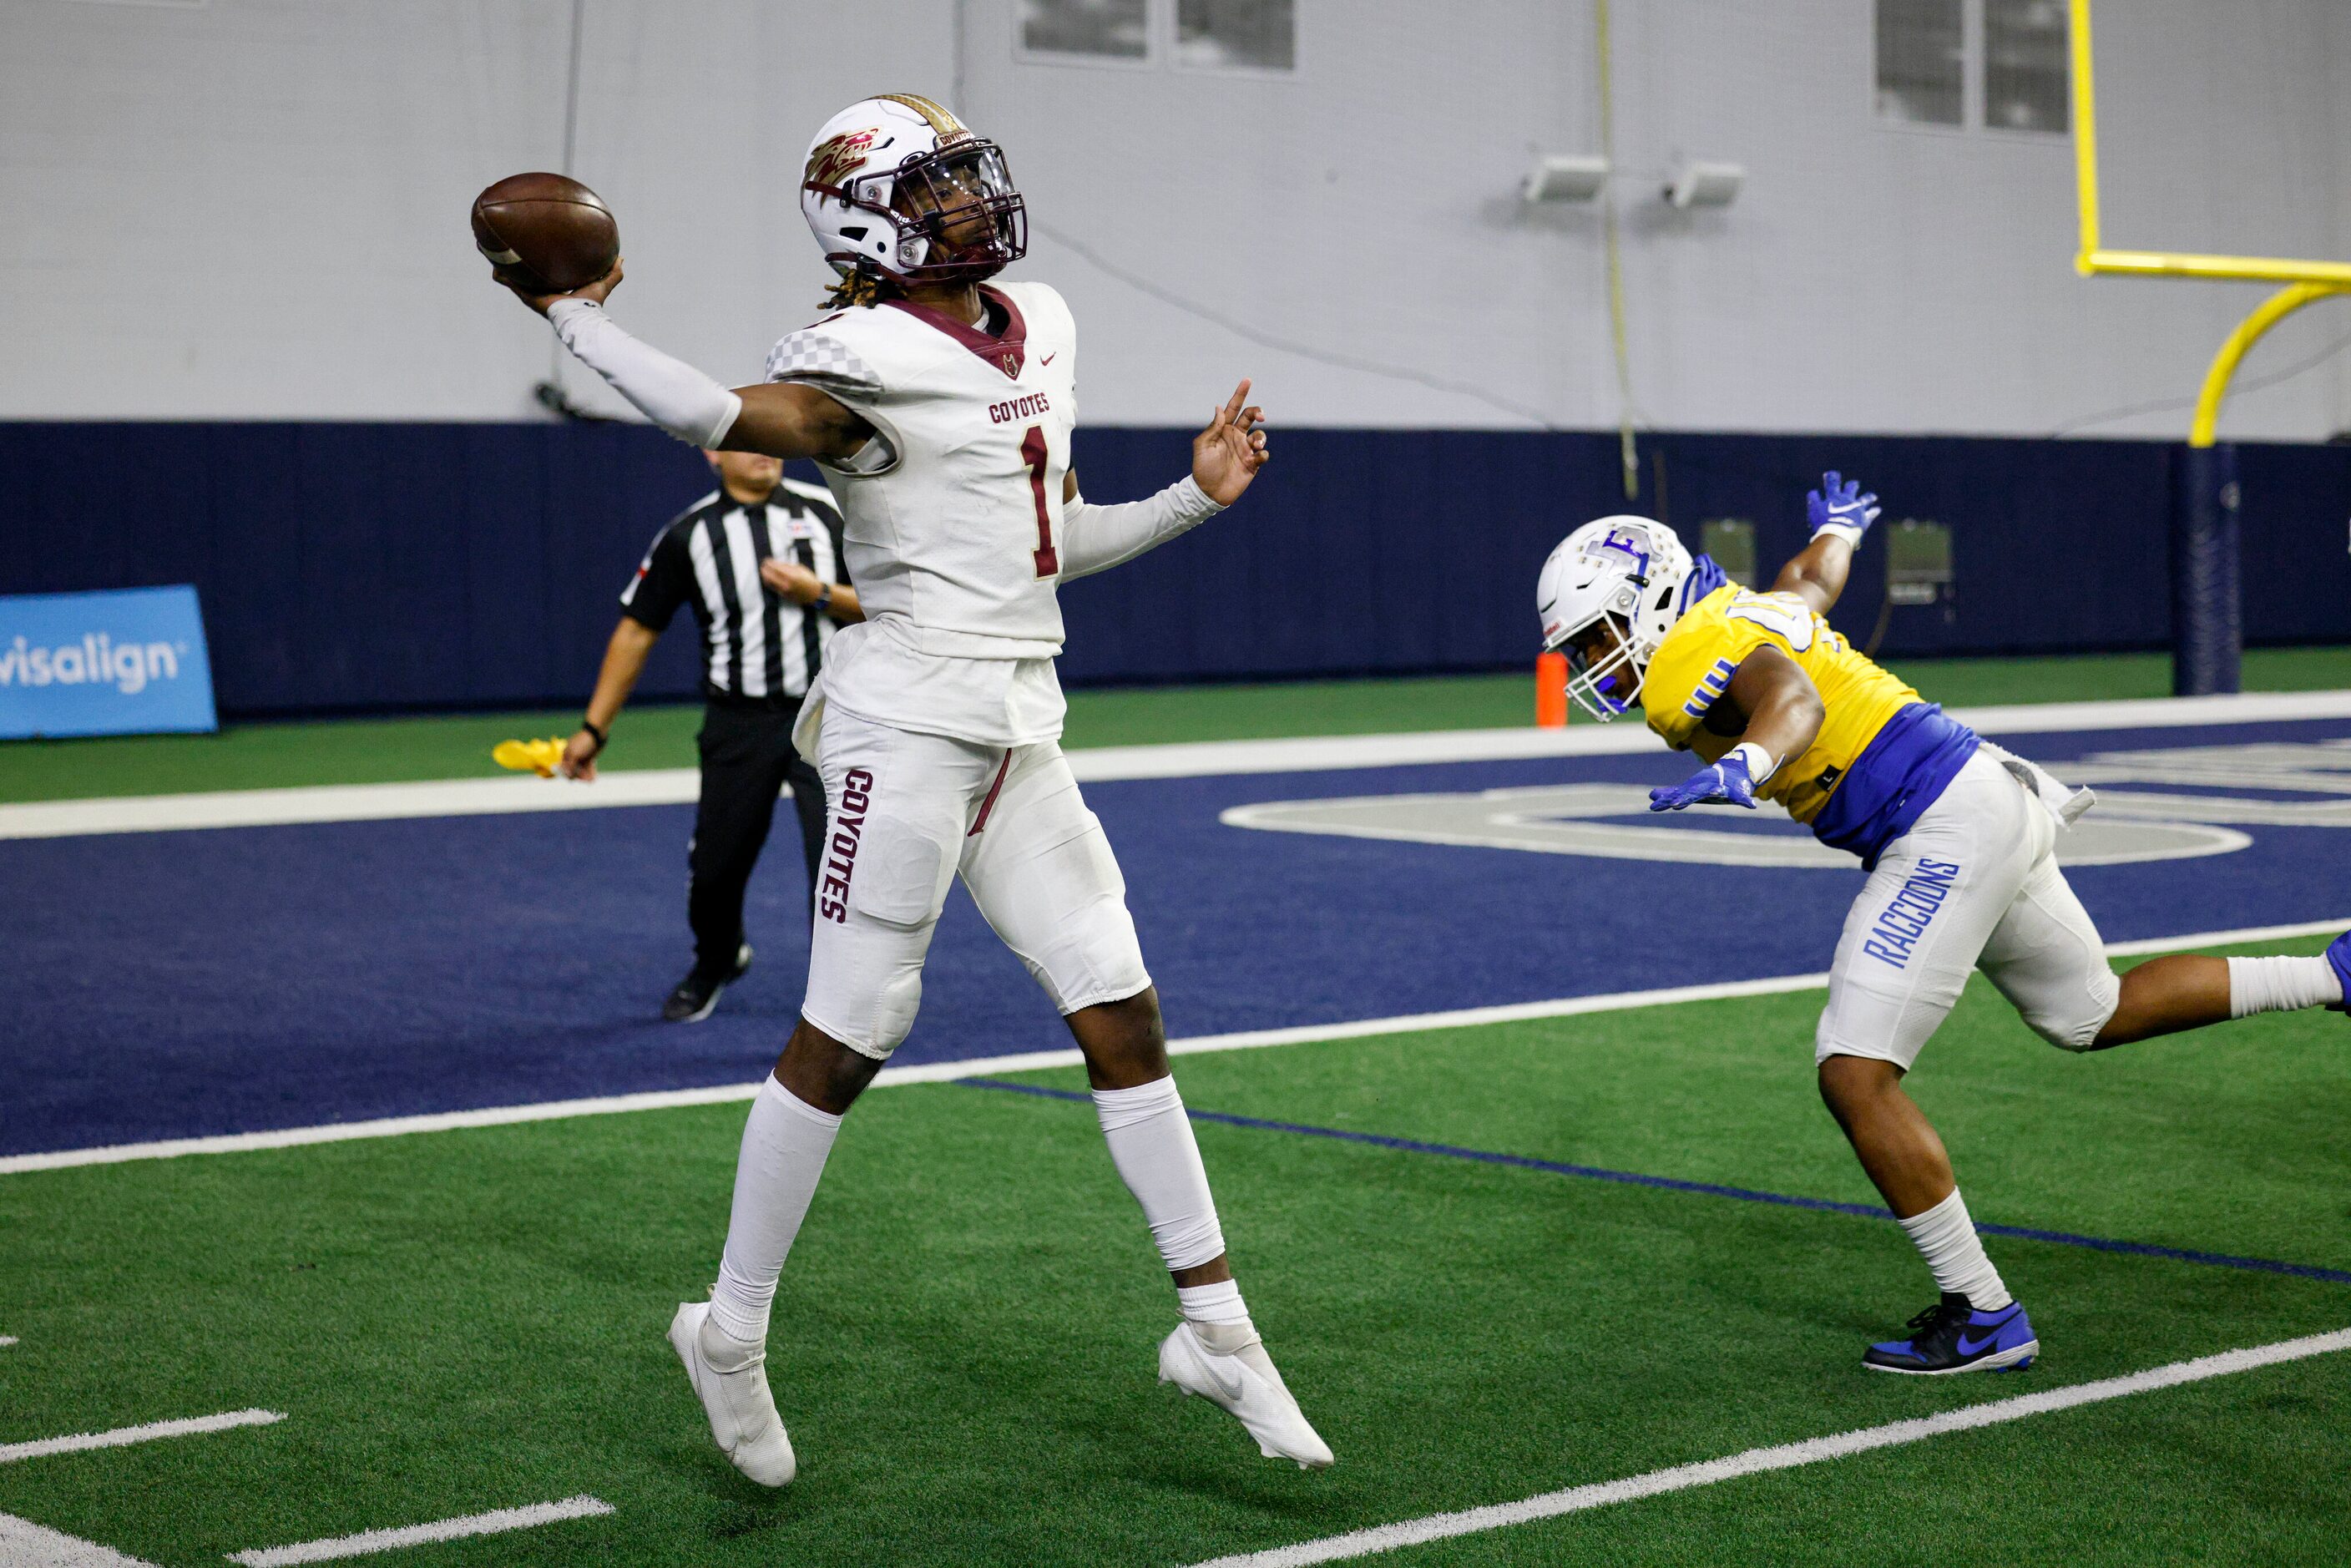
<point>1048,358</point>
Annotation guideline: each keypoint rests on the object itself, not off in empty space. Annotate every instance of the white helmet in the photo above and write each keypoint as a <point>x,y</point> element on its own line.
<point>888,176</point>
<point>1634,573</point>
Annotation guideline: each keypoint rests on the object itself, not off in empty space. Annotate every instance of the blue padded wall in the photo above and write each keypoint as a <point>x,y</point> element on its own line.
<point>378,566</point>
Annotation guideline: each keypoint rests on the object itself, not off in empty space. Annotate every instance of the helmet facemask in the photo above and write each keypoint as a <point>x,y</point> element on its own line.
<point>1594,681</point>
<point>955,213</point>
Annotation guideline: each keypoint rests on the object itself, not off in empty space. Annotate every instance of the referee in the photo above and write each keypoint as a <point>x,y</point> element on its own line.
<point>758,560</point>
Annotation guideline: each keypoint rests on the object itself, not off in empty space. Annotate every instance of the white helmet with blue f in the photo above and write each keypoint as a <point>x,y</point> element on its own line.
<point>1627,576</point>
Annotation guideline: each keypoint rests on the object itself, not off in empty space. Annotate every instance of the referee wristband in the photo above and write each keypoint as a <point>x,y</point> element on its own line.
<point>823,599</point>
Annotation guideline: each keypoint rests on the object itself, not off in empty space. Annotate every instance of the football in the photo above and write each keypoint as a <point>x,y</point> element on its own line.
<point>546,229</point>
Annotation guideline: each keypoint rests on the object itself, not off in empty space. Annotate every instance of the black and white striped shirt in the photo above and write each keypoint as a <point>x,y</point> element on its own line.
<point>756,643</point>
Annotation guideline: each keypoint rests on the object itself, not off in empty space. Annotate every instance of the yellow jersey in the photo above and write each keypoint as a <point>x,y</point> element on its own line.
<point>1694,664</point>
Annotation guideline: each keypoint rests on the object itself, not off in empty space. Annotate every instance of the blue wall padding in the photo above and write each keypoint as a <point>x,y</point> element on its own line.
<point>346,566</point>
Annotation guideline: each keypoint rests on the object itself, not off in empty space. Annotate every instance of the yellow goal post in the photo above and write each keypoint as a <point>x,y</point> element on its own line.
<point>2207,613</point>
<point>2305,280</point>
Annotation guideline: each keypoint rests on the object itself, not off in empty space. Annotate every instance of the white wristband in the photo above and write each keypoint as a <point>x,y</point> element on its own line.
<point>1845,532</point>
<point>669,392</point>
<point>1761,764</point>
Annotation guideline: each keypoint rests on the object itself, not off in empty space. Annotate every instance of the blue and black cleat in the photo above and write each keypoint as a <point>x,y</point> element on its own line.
<point>1953,1336</point>
<point>2338,954</point>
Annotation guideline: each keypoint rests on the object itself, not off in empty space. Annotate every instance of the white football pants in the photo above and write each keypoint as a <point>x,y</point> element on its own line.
<point>909,811</point>
<point>1974,884</point>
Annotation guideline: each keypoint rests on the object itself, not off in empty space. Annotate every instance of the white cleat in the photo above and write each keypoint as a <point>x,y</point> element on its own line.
<point>1245,1382</point>
<point>734,1396</point>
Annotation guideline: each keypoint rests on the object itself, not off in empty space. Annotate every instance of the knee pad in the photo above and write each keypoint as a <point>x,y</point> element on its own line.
<point>2078,1030</point>
<point>900,997</point>
<point>1094,956</point>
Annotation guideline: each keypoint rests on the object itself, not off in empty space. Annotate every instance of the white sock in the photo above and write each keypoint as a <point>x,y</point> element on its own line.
<point>1151,1143</point>
<point>1205,1306</point>
<point>1946,1239</point>
<point>784,1148</point>
<point>2281,985</point>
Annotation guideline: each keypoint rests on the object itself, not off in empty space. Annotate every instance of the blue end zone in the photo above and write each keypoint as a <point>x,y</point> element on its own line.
<point>178,984</point>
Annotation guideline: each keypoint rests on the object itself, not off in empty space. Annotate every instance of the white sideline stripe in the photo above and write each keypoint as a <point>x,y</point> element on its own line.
<point>1029,1061</point>
<point>889,1077</point>
<point>496,1523</point>
<point>342,803</point>
<point>24,1544</point>
<point>123,1436</point>
<point>1785,1456</point>
<point>1100,764</point>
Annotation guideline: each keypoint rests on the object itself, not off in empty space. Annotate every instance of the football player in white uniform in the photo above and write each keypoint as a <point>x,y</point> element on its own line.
<point>1959,838</point>
<point>939,407</point>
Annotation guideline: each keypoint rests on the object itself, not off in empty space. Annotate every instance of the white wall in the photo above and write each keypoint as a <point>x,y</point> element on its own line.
<point>254,208</point>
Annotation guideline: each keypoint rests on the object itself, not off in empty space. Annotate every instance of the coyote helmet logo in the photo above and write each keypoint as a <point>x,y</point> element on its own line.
<point>836,156</point>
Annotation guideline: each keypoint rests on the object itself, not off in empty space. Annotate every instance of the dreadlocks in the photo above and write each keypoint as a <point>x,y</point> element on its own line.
<point>859,287</point>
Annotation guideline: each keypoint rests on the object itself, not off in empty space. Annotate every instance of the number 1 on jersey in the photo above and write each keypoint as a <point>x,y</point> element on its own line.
<point>1032,452</point>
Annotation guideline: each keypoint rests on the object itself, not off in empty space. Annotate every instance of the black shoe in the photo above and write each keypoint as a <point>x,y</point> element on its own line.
<point>1953,1336</point>
<point>698,993</point>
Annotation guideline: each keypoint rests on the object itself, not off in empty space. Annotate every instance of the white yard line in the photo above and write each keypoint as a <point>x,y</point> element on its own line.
<point>123,1436</point>
<point>1028,1061</point>
<point>24,1544</point>
<point>676,786</point>
<point>495,1522</point>
<point>1785,1456</point>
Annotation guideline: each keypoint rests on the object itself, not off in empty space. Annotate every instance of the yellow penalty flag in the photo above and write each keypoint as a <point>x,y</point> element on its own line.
<point>537,756</point>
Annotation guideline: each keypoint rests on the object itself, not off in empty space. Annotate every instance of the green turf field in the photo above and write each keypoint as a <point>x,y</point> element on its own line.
<point>468,1321</point>
<point>360,751</point>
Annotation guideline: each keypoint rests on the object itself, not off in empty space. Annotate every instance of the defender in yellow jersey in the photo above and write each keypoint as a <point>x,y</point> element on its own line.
<point>1959,837</point>
<point>1705,645</point>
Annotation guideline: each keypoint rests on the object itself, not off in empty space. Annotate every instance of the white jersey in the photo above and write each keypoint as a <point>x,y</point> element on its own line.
<point>953,513</point>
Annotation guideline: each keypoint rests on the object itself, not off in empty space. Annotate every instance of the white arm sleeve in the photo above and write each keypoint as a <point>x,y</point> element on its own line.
<point>1095,539</point>
<point>670,393</point>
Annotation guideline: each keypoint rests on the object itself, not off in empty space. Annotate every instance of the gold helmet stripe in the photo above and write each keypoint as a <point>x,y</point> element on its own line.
<point>946,125</point>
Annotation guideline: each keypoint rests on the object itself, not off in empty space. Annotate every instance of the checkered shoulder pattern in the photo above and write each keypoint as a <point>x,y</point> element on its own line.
<point>809,355</point>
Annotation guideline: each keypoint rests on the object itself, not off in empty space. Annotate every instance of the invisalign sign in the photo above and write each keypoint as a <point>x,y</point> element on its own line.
<point>123,663</point>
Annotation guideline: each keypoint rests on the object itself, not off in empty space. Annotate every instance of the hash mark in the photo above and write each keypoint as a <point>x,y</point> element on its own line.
<point>494,1523</point>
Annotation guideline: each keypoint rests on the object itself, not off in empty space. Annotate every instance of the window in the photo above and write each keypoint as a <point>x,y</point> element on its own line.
<point>1731,542</point>
<point>1974,65</point>
<point>1256,37</point>
<point>1102,29</point>
<point>1917,562</point>
<point>1921,61</point>
<point>1253,35</point>
<point>2024,64</point>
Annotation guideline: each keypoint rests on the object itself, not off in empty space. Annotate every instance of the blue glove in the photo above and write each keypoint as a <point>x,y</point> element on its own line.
<point>1728,782</point>
<point>1840,509</point>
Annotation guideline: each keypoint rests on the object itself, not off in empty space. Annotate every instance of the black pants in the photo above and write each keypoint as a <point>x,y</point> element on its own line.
<point>746,759</point>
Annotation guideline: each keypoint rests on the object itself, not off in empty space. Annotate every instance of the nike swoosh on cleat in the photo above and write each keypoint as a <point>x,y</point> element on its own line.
<point>1983,1345</point>
<point>1231,1387</point>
